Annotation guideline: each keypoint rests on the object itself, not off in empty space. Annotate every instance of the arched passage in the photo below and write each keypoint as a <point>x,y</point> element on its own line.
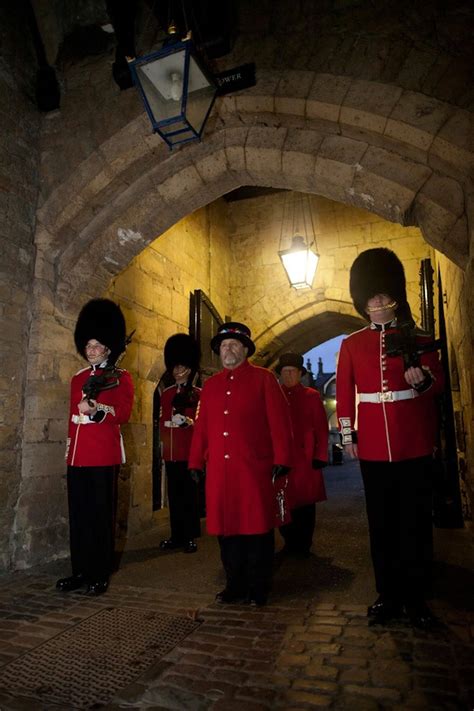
<point>336,143</point>
<point>406,158</point>
<point>311,331</point>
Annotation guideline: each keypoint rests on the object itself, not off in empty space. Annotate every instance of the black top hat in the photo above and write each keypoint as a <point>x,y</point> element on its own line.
<point>104,321</point>
<point>232,329</point>
<point>182,349</point>
<point>293,360</point>
<point>378,271</point>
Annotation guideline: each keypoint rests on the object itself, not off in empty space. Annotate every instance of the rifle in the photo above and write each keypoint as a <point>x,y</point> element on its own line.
<point>107,378</point>
<point>405,344</point>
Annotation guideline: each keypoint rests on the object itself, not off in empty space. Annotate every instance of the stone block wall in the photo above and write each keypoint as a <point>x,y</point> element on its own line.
<point>19,180</point>
<point>154,293</point>
<point>259,287</point>
<point>458,298</point>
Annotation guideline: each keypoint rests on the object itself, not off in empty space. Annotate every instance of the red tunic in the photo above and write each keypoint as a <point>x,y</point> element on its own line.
<point>98,444</point>
<point>242,428</point>
<point>387,431</point>
<point>310,432</point>
<point>176,440</point>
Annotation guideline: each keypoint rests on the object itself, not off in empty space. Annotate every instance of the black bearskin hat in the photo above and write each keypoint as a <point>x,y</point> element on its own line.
<point>182,349</point>
<point>102,320</point>
<point>378,271</point>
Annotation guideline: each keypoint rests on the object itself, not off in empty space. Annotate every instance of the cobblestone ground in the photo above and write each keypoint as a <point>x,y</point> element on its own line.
<point>309,648</point>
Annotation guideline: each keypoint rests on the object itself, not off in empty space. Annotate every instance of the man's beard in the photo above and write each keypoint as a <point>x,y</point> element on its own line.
<point>230,359</point>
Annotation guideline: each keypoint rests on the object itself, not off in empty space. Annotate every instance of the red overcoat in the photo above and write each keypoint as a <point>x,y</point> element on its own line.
<point>176,440</point>
<point>310,435</point>
<point>242,429</point>
<point>386,431</point>
<point>98,444</point>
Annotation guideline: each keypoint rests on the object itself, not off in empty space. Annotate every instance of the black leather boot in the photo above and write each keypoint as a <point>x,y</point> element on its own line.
<point>420,615</point>
<point>227,597</point>
<point>383,610</point>
<point>99,587</point>
<point>257,599</point>
<point>190,547</point>
<point>74,582</point>
<point>168,544</point>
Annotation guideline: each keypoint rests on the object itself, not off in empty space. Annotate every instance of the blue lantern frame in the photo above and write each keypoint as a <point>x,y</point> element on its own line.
<point>162,126</point>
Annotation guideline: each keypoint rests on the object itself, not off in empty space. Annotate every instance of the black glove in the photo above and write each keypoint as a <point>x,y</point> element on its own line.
<point>279,470</point>
<point>318,464</point>
<point>425,384</point>
<point>196,475</point>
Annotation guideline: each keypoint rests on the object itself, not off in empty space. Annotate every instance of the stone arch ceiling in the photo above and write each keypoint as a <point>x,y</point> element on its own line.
<point>402,155</point>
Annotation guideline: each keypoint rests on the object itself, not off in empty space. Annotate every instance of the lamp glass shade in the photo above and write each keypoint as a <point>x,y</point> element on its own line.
<point>300,263</point>
<point>177,92</point>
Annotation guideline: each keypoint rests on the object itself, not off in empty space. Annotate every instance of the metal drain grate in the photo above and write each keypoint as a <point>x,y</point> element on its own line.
<point>89,663</point>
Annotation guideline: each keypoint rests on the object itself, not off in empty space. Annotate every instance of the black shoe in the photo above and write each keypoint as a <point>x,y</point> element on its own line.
<point>227,597</point>
<point>257,600</point>
<point>168,544</point>
<point>376,606</point>
<point>421,616</point>
<point>74,582</point>
<point>190,547</point>
<point>383,610</point>
<point>98,588</point>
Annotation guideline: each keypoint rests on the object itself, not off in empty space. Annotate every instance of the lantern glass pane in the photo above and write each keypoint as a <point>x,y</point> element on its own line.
<point>162,83</point>
<point>295,265</point>
<point>300,266</point>
<point>200,96</point>
<point>311,264</point>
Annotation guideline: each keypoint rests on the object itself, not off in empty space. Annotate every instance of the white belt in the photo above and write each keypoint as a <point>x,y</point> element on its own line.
<point>388,396</point>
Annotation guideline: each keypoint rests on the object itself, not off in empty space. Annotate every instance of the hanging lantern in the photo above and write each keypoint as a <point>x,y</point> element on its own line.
<point>177,91</point>
<point>300,262</point>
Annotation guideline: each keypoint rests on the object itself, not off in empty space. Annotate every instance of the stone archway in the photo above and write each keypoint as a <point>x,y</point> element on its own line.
<point>385,156</point>
<point>394,152</point>
<point>327,321</point>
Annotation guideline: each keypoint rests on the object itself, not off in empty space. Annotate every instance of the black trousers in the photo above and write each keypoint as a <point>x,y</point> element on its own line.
<point>183,502</point>
<point>248,563</point>
<point>399,510</point>
<point>92,499</point>
<point>298,534</point>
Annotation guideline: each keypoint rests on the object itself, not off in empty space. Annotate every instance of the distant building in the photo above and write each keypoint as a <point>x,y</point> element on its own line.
<point>322,378</point>
<point>308,378</point>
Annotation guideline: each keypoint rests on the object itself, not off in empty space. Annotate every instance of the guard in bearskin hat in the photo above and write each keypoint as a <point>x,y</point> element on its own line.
<point>379,271</point>
<point>396,433</point>
<point>177,414</point>
<point>310,433</point>
<point>101,400</point>
<point>243,436</point>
